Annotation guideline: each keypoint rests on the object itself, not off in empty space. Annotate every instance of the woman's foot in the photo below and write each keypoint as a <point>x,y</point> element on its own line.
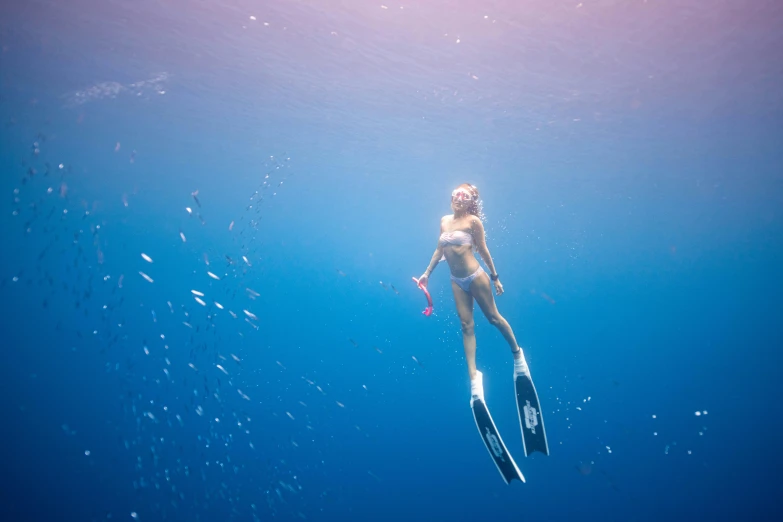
<point>477,386</point>
<point>520,366</point>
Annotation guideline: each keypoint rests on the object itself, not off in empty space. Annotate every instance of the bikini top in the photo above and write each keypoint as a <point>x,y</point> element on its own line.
<point>458,237</point>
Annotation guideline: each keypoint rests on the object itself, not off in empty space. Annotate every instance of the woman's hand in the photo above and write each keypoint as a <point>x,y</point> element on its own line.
<point>422,281</point>
<point>498,287</point>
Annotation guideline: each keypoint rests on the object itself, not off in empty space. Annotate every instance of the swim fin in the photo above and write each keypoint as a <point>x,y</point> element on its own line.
<point>530,419</point>
<point>489,433</point>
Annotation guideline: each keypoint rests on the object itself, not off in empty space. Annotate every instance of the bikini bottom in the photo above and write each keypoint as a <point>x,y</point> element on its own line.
<point>464,282</point>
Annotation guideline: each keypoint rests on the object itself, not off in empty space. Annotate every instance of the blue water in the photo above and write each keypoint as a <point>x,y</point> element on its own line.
<point>630,160</point>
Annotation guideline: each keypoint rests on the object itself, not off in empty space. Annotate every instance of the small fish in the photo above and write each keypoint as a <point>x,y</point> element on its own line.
<point>246,261</point>
<point>252,293</point>
<point>395,290</point>
<point>231,226</point>
<point>193,366</point>
<point>354,342</point>
<point>206,259</point>
<point>146,258</point>
<point>190,211</point>
<point>221,369</point>
<point>195,198</point>
<point>213,276</point>
<point>250,323</point>
<point>187,324</point>
<point>200,301</point>
<point>220,306</point>
<point>340,404</point>
<point>235,358</point>
<point>377,349</point>
<point>417,361</point>
<point>232,314</point>
<point>196,292</point>
<point>289,415</point>
<point>145,276</point>
<point>251,315</point>
<point>182,237</point>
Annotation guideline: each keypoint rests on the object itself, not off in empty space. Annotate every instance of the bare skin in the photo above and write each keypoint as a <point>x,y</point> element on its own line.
<point>463,263</point>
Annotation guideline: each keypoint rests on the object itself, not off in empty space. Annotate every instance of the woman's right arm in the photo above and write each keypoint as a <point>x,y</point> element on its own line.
<point>434,261</point>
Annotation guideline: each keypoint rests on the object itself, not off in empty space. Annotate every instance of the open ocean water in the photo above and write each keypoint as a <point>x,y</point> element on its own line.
<point>211,213</point>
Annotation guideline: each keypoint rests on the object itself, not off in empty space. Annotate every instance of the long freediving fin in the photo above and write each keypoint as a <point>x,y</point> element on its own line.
<point>531,421</point>
<point>489,433</point>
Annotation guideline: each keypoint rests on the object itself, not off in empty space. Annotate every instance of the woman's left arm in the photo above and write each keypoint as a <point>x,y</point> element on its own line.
<point>481,245</point>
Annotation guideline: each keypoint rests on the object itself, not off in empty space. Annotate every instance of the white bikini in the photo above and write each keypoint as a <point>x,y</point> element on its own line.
<point>458,237</point>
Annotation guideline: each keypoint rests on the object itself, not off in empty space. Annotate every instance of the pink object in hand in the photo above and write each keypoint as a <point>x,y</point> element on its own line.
<point>427,311</point>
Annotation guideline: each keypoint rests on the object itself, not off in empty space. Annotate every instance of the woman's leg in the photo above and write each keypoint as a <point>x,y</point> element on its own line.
<point>482,292</point>
<point>464,302</point>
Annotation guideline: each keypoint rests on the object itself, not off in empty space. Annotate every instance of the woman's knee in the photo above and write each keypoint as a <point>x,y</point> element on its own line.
<point>467,327</point>
<point>496,320</point>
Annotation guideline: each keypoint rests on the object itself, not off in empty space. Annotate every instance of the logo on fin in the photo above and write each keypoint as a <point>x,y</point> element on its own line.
<point>531,419</point>
<point>494,444</point>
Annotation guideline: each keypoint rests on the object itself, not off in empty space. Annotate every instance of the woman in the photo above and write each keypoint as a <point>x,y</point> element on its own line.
<point>461,233</point>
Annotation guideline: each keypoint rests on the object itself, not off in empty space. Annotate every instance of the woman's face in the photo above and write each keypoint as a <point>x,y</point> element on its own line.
<point>461,198</point>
